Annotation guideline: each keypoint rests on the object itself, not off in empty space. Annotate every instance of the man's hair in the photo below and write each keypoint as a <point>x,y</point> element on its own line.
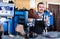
<point>39,3</point>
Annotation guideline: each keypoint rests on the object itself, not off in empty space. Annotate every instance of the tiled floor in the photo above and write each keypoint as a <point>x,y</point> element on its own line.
<point>39,36</point>
<point>15,37</point>
<point>19,37</point>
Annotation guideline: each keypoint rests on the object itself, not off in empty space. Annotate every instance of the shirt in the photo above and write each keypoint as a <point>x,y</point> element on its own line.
<point>41,15</point>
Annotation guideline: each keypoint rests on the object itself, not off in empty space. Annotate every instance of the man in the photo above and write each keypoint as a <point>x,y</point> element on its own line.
<point>43,19</point>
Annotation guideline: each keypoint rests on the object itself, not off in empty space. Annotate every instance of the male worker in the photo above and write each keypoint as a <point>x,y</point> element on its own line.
<point>43,20</point>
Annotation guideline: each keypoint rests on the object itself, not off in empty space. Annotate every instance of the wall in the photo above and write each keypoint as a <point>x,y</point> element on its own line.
<point>22,3</point>
<point>26,3</point>
<point>46,2</point>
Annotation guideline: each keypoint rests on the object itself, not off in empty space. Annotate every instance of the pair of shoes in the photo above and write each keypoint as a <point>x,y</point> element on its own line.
<point>31,35</point>
<point>10,35</point>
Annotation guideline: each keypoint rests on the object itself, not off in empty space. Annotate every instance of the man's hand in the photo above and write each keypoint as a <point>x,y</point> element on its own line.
<point>47,19</point>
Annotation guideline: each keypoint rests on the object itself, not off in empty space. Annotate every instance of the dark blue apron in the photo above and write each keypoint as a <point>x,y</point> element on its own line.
<point>39,26</point>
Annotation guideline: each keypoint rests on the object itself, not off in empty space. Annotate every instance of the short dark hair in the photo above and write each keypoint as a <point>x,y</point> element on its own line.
<point>39,3</point>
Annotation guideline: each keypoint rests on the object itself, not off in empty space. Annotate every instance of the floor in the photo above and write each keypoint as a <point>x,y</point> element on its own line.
<point>43,36</point>
<point>19,37</point>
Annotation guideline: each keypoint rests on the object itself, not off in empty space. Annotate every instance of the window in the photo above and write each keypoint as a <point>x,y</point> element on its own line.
<point>32,3</point>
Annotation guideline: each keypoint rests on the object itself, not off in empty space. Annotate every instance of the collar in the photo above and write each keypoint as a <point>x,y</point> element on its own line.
<point>40,14</point>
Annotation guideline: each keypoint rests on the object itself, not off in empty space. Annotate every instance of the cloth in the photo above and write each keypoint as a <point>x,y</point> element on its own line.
<point>39,25</point>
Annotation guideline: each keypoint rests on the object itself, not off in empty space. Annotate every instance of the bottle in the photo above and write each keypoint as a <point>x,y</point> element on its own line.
<point>48,22</point>
<point>46,30</point>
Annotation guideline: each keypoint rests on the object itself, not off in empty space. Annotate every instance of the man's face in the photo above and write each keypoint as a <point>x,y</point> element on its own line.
<point>40,8</point>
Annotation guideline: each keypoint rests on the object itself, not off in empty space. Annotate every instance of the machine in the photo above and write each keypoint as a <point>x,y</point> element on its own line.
<point>6,16</point>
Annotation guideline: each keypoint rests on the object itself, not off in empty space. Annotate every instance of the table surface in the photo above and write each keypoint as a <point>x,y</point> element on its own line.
<point>39,36</point>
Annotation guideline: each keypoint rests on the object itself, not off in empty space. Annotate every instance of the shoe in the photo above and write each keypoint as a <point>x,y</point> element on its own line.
<point>10,35</point>
<point>33,35</point>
